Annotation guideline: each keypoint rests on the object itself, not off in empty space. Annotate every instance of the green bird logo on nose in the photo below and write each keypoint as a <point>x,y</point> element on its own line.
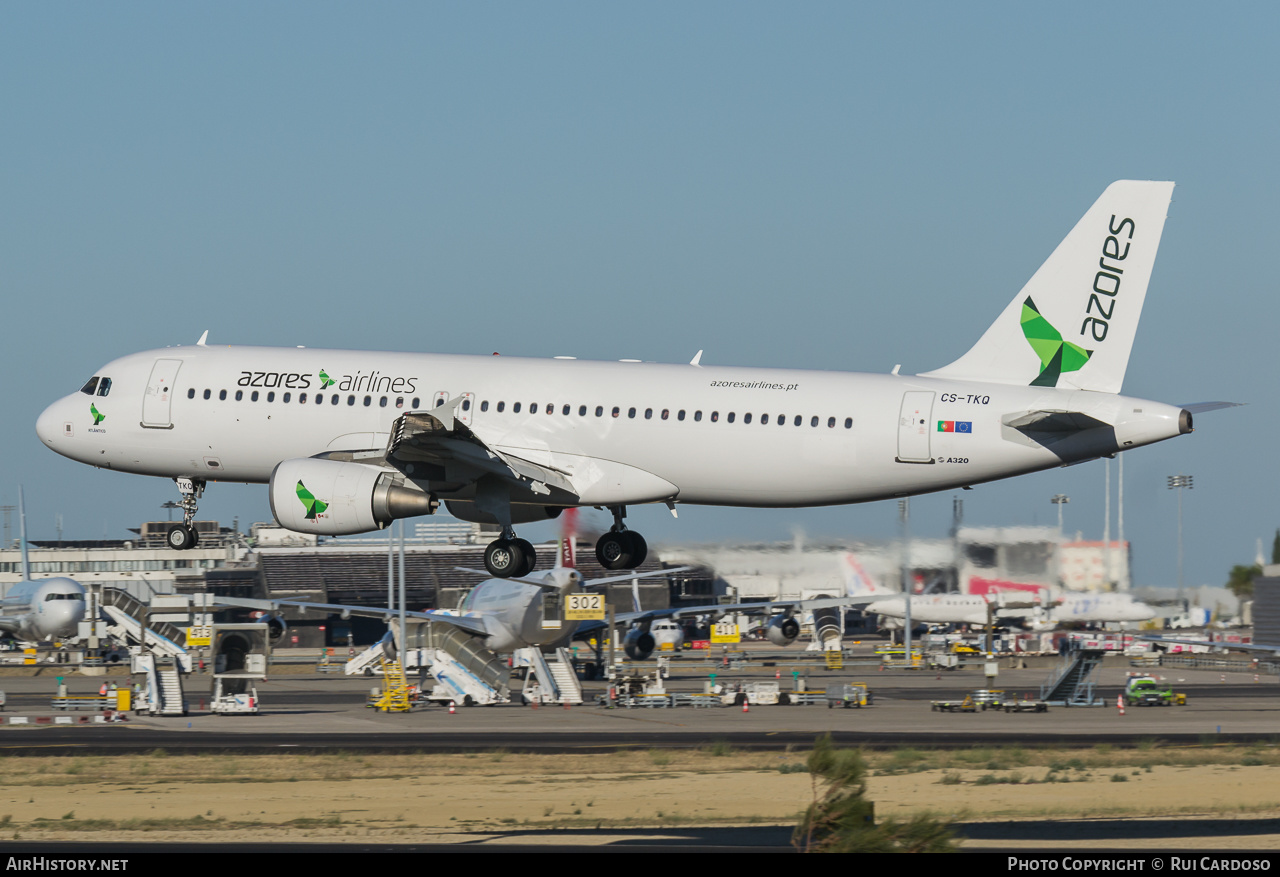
<point>328,381</point>
<point>1056,356</point>
<point>98,416</point>
<point>310,503</point>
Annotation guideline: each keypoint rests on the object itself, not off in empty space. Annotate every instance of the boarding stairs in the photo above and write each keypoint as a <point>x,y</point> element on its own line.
<point>395,689</point>
<point>1073,684</point>
<point>551,677</point>
<point>122,611</point>
<point>367,662</point>
<point>162,687</point>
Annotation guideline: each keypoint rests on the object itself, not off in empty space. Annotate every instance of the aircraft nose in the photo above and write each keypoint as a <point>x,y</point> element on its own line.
<point>51,424</point>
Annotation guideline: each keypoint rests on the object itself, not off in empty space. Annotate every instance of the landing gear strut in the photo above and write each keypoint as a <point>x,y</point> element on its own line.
<point>508,556</point>
<point>184,535</point>
<point>621,548</point>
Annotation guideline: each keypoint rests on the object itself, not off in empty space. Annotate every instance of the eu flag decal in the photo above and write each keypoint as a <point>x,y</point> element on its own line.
<point>955,426</point>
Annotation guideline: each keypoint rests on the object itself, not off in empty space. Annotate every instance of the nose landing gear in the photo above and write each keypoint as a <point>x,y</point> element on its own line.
<point>184,535</point>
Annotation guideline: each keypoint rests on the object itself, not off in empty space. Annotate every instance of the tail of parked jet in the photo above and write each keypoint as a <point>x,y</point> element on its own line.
<point>1072,325</point>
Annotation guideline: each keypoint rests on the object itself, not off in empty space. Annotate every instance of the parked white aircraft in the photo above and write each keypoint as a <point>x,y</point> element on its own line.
<point>1040,614</point>
<point>508,614</point>
<point>351,440</point>
<point>36,610</point>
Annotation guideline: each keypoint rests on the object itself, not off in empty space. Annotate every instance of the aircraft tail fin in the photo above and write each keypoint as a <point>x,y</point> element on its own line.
<point>1073,324</point>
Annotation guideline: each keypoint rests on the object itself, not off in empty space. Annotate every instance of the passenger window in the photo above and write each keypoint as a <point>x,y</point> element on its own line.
<point>319,398</point>
<point>648,414</point>
<point>631,412</point>
<point>466,404</point>
<point>90,386</point>
<point>302,398</point>
<point>799,420</point>
<point>368,400</point>
<point>731,417</point>
<point>351,400</point>
<point>715,416</point>
<point>831,422</point>
<point>191,394</point>
<point>271,397</point>
<point>286,397</point>
<point>515,409</point>
<point>400,402</point>
<point>207,394</point>
<point>697,415</point>
<point>382,402</point>
<point>599,411</point>
<point>582,410</point>
<point>222,395</point>
<point>104,386</point>
<point>565,411</point>
<point>680,416</point>
<point>746,418</point>
<point>551,408</point>
<point>253,397</point>
<point>415,402</point>
<point>666,412</point>
<point>239,395</point>
<point>764,419</point>
<point>484,406</point>
<point>501,406</point>
<point>616,410</point>
<point>813,421</point>
<point>848,423</point>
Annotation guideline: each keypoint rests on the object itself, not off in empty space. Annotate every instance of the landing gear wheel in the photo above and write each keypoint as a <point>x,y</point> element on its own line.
<point>639,548</point>
<point>503,559</point>
<point>181,538</point>
<point>613,550</point>
<point>530,557</point>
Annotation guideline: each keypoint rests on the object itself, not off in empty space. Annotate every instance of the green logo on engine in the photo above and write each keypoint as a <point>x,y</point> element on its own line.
<point>1056,356</point>
<point>310,503</point>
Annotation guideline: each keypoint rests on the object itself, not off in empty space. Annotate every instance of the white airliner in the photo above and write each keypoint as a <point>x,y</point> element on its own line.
<point>32,611</point>
<point>1045,614</point>
<point>351,440</point>
<point>529,611</point>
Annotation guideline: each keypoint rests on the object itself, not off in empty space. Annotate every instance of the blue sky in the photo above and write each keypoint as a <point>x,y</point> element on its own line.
<point>834,186</point>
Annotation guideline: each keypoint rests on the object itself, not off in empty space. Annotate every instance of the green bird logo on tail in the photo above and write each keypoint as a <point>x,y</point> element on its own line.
<point>1056,356</point>
<point>98,416</point>
<point>310,503</point>
<point>328,381</point>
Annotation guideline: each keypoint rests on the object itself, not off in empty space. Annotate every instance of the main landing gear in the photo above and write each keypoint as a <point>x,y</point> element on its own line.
<point>621,548</point>
<point>184,535</point>
<point>508,556</point>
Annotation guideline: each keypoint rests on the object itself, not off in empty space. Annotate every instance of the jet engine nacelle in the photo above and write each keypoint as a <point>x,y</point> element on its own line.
<point>331,497</point>
<point>520,514</point>
<point>638,644</point>
<point>275,628</point>
<point>782,631</point>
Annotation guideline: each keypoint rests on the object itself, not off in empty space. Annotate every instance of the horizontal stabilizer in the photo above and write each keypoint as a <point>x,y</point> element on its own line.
<point>1202,407</point>
<point>1052,421</point>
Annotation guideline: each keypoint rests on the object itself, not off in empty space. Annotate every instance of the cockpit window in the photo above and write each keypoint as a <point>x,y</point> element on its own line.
<point>89,388</point>
<point>104,386</point>
<point>63,597</point>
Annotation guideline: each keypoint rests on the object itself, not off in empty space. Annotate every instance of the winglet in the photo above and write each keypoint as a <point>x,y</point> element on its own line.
<point>697,358</point>
<point>203,339</point>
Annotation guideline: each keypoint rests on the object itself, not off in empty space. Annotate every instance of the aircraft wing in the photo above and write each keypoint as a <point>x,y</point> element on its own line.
<point>746,608</point>
<point>1243,647</point>
<point>439,447</point>
<point>468,623</point>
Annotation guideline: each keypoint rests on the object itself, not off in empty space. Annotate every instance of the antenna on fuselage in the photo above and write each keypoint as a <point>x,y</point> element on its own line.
<point>22,535</point>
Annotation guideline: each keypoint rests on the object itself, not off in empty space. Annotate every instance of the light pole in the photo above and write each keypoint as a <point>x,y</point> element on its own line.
<point>1180,483</point>
<point>1060,499</point>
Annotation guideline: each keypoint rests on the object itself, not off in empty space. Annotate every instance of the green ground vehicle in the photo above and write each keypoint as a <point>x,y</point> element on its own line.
<point>1147,691</point>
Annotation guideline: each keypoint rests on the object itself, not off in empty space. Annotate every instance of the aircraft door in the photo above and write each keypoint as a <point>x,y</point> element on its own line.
<point>913,427</point>
<point>156,402</point>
